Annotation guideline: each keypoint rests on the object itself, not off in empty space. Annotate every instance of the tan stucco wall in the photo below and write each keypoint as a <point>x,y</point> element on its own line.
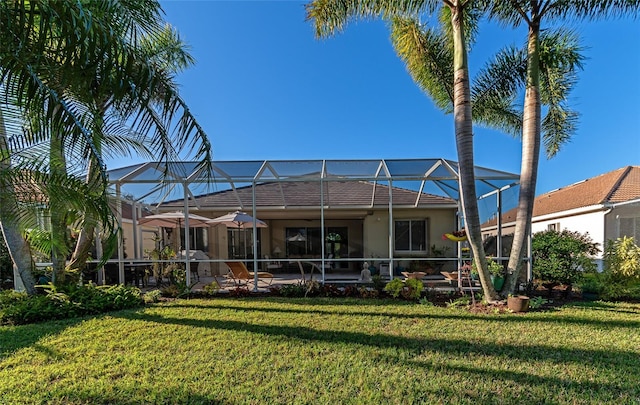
<point>127,234</point>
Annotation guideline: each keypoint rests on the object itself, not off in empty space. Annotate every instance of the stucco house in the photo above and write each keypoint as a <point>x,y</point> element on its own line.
<point>356,223</point>
<point>606,206</point>
<point>337,213</point>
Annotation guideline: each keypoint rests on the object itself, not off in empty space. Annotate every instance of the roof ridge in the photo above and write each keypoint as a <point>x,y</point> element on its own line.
<point>616,185</point>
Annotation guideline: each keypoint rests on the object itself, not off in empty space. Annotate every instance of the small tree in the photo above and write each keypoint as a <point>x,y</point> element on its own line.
<point>562,257</point>
<point>622,258</point>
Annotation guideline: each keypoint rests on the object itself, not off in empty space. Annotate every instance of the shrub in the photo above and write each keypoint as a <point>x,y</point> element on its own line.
<point>413,290</point>
<point>394,287</point>
<point>378,282</point>
<point>368,292</point>
<point>10,297</point>
<point>622,259</point>
<point>309,288</point>
<point>591,283</point>
<point>562,257</point>
<point>152,296</point>
<point>69,302</point>
<point>615,290</point>
<point>410,289</point>
<point>460,302</point>
<point>537,302</point>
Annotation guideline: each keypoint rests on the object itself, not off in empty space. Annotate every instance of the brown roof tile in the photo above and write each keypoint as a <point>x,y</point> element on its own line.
<point>307,194</point>
<point>612,187</point>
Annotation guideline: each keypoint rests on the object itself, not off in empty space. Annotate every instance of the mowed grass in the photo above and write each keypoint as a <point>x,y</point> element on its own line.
<point>326,351</point>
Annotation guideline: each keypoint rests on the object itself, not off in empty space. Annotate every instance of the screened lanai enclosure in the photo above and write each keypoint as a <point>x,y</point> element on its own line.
<point>341,215</point>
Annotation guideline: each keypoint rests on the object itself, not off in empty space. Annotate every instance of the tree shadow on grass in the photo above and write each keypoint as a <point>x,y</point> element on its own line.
<point>606,306</point>
<point>444,313</point>
<point>605,359</point>
<point>13,338</point>
<point>124,395</point>
<point>622,363</point>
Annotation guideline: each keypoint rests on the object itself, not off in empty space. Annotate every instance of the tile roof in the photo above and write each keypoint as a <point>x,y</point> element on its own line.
<point>307,194</point>
<point>613,187</point>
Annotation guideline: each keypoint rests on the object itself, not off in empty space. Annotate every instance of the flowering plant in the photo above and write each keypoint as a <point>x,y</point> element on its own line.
<point>456,236</point>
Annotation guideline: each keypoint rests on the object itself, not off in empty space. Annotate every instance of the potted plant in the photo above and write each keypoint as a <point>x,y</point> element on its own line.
<point>518,303</point>
<point>496,273</point>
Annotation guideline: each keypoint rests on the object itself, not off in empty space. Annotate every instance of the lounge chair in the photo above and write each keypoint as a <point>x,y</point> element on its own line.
<point>241,276</point>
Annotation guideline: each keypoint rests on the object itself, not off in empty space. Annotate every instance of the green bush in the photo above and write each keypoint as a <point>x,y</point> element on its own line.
<point>562,257</point>
<point>72,301</point>
<point>394,287</point>
<point>152,296</point>
<point>413,290</point>
<point>591,283</point>
<point>410,289</point>
<point>615,290</point>
<point>622,259</point>
<point>293,290</point>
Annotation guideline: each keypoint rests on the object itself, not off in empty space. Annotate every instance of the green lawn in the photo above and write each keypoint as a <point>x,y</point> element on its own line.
<point>270,350</point>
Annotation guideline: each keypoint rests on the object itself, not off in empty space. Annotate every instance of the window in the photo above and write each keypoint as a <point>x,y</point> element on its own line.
<point>198,239</point>
<point>554,227</point>
<point>629,227</point>
<point>411,235</point>
<point>303,242</point>
<point>240,243</point>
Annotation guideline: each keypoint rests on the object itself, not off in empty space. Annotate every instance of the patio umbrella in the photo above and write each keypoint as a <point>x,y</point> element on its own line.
<point>238,220</point>
<point>297,238</point>
<point>174,220</point>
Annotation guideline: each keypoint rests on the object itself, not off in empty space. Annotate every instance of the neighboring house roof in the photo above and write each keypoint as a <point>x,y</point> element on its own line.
<point>127,210</point>
<point>610,188</point>
<point>307,194</point>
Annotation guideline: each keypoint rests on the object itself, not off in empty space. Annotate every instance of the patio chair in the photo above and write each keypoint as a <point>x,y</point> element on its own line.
<point>241,276</point>
<point>273,265</point>
<point>193,267</point>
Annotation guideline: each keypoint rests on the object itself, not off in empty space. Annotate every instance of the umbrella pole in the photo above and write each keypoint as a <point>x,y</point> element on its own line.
<point>244,234</point>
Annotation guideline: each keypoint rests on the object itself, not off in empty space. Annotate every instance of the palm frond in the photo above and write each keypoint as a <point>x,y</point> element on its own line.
<point>495,89</point>
<point>428,58</point>
<point>560,60</point>
<point>331,16</point>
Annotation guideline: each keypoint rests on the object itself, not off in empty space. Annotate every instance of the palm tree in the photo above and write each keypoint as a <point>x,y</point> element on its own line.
<point>168,54</point>
<point>28,63</point>
<point>17,247</point>
<point>94,47</point>
<point>495,88</point>
<point>532,13</point>
<point>330,16</point>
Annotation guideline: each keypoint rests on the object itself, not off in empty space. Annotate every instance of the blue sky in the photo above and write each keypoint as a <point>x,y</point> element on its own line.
<point>264,87</point>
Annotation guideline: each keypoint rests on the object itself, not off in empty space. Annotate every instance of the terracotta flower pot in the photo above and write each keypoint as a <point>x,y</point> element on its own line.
<point>518,303</point>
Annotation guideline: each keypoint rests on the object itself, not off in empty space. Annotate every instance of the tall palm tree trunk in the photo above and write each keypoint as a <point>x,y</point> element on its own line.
<point>464,144</point>
<point>16,244</point>
<point>57,209</point>
<point>86,236</point>
<point>530,159</point>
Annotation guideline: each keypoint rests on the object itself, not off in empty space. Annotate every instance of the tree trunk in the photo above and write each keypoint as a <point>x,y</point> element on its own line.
<point>58,210</point>
<point>464,143</point>
<point>16,245</point>
<point>86,236</point>
<point>530,159</point>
